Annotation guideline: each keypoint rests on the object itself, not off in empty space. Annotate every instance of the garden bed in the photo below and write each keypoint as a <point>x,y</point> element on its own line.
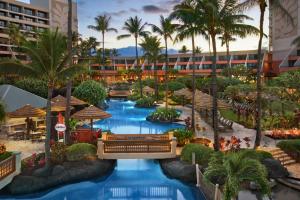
<point>283,134</point>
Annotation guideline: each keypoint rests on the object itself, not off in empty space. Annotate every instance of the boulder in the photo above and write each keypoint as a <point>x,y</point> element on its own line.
<point>178,169</point>
<point>275,168</point>
<point>69,172</point>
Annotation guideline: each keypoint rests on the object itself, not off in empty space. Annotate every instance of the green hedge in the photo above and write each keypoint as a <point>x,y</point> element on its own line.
<point>290,146</point>
<point>183,135</point>
<point>164,114</point>
<point>80,151</point>
<point>257,154</point>
<point>5,155</point>
<point>35,86</point>
<point>145,102</point>
<point>91,92</point>
<point>202,153</point>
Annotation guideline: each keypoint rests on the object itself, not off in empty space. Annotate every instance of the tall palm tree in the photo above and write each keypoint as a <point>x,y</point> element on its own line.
<point>103,25</point>
<point>232,26</point>
<point>262,4</point>
<point>15,37</point>
<point>49,57</point>
<point>135,27</point>
<point>114,53</point>
<point>183,49</point>
<point>189,27</point>
<point>237,169</point>
<point>166,29</point>
<point>69,83</point>
<point>152,50</point>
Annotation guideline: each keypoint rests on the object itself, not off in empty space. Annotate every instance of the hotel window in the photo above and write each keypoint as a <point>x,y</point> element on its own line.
<point>28,11</point>
<point>298,52</point>
<point>42,22</point>
<point>184,59</point>
<point>41,14</point>
<point>2,14</point>
<point>29,19</point>
<point>28,27</point>
<point>2,23</point>
<point>173,60</point>
<point>2,5</point>
<point>15,8</point>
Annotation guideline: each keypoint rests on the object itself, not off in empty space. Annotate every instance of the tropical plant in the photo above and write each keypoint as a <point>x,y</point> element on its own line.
<point>183,50</point>
<point>189,27</point>
<point>164,115</point>
<point>58,153</point>
<point>151,47</point>
<point>166,29</point>
<point>49,57</point>
<point>35,86</point>
<point>102,25</point>
<point>85,47</point>
<point>145,102</point>
<point>262,4</point>
<point>16,38</point>
<point>237,169</point>
<point>90,91</point>
<point>136,28</point>
<point>183,136</point>
<point>80,151</point>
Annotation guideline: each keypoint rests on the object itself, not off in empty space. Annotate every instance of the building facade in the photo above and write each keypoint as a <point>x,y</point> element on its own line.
<point>283,31</point>
<point>180,63</point>
<point>38,15</point>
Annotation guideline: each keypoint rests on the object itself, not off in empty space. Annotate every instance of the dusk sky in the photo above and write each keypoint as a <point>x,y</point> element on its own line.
<point>149,11</point>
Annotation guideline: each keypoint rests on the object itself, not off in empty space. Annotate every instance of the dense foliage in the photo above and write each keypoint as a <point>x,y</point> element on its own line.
<point>174,85</point>
<point>164,115</point>
<point>80,151</point>
<point>145,102</point>
<point>202,153</point>
<point>58,153</point>
<point>289,145</point>
<point>35,86</point>
<point>91,92</point>
<point>183,136</point>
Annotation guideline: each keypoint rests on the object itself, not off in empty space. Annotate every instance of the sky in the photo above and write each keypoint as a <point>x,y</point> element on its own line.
<point>149,11</point>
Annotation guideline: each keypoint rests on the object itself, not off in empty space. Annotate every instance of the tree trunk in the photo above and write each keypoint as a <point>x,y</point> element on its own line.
<point>228,59</point>
<point>48,125</point>
<point>156,80</point>
<point>166,72</point>
<point>103,50</point>
<point>140,73</point>
<point>69,84</point>
<point>193,84</point>
<point>258,77</point>
<point>214,94</point>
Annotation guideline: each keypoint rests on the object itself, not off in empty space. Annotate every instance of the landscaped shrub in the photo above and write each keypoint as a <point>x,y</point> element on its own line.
<point>146,102</point>
<point>289,145</point>
<point>183,136</point>
<point>80,151</point>
<point>202,153</point>
<point>91,92</point>
<point>35,86</point>
<point>164,115</point>
<point>58,153</point>
<point>256,154</point>
<point>134,97</point>
<point>174,85</point>
<point>5,155</point>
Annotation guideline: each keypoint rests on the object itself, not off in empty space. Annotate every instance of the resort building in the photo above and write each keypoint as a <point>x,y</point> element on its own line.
<point>180,63</point>
<point>283,31</point>
<point>38,15</point>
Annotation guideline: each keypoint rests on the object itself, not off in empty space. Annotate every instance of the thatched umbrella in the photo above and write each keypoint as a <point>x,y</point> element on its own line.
<point>74,101</point>
<point>27,112</point>
<point>205,101</point>
<point>148,90</point>
<point>184,92</point>
<point>91,113</point>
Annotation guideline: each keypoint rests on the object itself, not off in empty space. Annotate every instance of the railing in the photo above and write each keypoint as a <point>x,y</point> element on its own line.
<point>142,137</point>
<point>7,167</point>
<point>136,146</point>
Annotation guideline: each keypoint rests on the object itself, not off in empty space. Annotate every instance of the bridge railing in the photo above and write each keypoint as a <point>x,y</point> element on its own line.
<point>136,146</point>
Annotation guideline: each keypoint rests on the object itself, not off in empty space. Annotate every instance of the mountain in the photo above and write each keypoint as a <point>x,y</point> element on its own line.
<point>130,51</point>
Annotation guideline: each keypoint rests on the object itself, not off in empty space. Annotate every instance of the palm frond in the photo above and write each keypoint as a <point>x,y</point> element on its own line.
<point>16,68</point>
<point>120,37</point>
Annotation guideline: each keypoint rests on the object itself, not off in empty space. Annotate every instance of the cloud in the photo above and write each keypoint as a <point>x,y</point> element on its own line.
<point>154,9</point>
<point>120,12</point>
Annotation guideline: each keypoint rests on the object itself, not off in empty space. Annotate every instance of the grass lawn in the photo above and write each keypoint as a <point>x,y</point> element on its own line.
<point>230,115</point>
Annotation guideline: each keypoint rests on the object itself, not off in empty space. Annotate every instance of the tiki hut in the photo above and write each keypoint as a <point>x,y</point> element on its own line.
<point>148,90</point>
<point>185,92</point>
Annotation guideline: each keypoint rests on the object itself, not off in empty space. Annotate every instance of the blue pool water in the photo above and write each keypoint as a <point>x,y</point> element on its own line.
<point>126,119</point>
<point>131,180</point>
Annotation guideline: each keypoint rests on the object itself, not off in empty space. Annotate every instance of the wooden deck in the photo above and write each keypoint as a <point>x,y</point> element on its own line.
<point>136,146</point>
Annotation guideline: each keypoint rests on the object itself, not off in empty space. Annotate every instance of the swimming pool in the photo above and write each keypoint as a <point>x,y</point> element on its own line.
<point>127,119</point>
<point>131,180</point>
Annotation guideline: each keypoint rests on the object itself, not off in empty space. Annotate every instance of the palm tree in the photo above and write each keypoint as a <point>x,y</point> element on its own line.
<point>103,25</point>
<point>236,169</point>
<point>262,4</point>
<point>232,25</point>
<point>136,28</point>
<point>183,49</point>
<point>49,57</point>
<point>166,29</point>
<point>2,112</point>
<point>187,14</point>
<point>152,49</point>
<point>114,53</point>
<point>69,84</point>
<point>15,38</point>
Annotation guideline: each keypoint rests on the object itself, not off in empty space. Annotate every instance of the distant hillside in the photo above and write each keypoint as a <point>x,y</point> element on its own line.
<point>130,51</point>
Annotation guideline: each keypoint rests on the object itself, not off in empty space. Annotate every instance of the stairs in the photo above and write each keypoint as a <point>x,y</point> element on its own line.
<point>281,156</point>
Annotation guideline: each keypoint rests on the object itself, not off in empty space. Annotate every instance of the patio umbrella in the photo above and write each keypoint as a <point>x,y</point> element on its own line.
<point>205,101</point>
<point>74,101</point>
<point>91,113</point>
<point>184,92</point>
<point>27,112</point>
<point>148,89</point>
